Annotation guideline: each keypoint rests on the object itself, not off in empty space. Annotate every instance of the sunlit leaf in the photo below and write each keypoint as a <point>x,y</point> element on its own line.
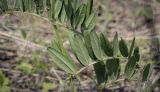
<point>62,62</point>
<point>87,40</point>
<point>79,48</point>
<point>90,22</point>
<point>63,15</point>
<point>96,46</point>
<point>58,7</point>
<point>89,7</point>
<point>115,45</point>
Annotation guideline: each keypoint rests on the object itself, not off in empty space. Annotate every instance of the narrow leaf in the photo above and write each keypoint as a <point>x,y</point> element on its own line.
<point>101,76</point>
<point>123,48</point>
<point>58,7</point>
<point>106,45</point>
<point>4,5</point>
<point>113,68</point>
<point>115,45</point>
<point>80,50</point>
<point>68,8</point>
<point>147,72</point>
<point>78,17</point>
<point>76,4</point>
<point>131,48</point>
<point>95,42</point>
<point>63,15</point>
<point>62,62</point>
<point>137,54</point>
<point>90,22</point>
<point>89,7</point>
<point>87,40</point>
<point>2,79</point>
<point>130,67</point>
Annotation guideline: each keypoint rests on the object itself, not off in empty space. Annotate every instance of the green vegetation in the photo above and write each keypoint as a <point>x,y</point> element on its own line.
<point>89,47</point>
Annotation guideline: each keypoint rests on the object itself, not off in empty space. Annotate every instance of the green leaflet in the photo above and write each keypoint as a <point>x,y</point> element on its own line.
<point>76,5</point>
<point>61,61</point>
<point>51,12</point>
<point>78,17</point>
<point>113,68</point>
<point>99,69</point>
<point>130,67</point>
<point>115,45</point>
<point>57,8</point>
<point>147,72</point>
<point>19,5</point>
<point>25,5</point>
<point>2,79</point>
<point>88,44</point>
<point>131,48</point>
<point>89,8</point>
<point>79,49</point>
<point>123,48</point>
<point>4,5</point>
<point>136,53</point>
<point>95,42</point>
<point>106,45</point>
<point>58,46</point>
<point>68,8</point>
<point>63,15</point>
<point>16,5</point>
<point>90,22</point>
<point>71,41</point>
<point>30,5</point>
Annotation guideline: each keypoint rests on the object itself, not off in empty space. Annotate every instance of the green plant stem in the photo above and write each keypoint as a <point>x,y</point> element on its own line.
<point>122,58</point>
